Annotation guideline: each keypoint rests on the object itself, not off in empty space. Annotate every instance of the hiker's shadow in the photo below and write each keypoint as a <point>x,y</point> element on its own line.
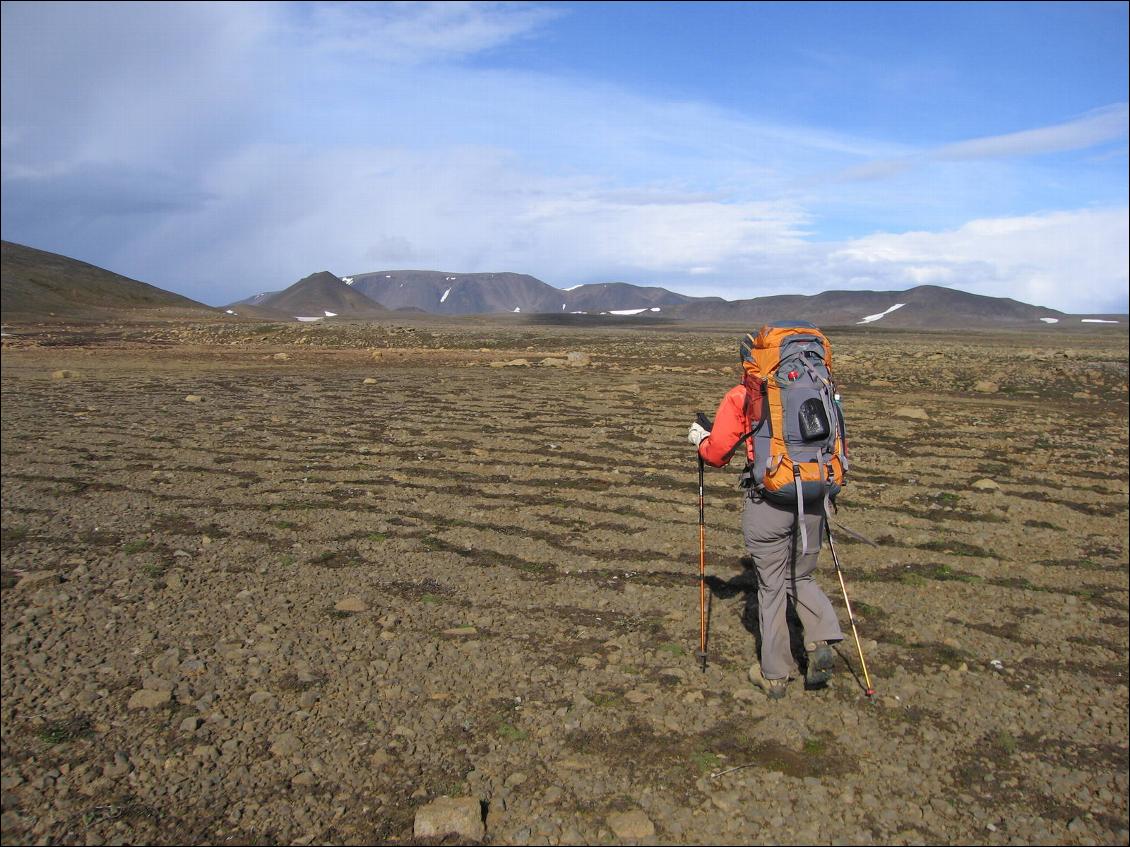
<point>744,585</point>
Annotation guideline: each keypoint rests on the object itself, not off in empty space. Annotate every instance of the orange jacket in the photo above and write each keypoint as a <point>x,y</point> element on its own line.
<point>731,422</point>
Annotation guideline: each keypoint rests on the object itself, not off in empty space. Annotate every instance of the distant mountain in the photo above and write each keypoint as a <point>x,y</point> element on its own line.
<point>37,285</point>
<point>620,296</point>
<point>321,295</point>
<point>445,293</point>
<point>921,308</point>
<point>924,307</point>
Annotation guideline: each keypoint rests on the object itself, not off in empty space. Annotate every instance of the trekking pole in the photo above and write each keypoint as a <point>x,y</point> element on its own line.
<point>847,603</point>
<point>701,569</point>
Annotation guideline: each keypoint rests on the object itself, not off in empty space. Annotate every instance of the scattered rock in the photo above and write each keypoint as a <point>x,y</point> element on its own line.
<point>916,413</point>
<point>461,631</point>
<point>460,816</point>
<point>281,357</point>
<point>984,386</point>
<point>286,744</point>
<point>578,360</point>
<point>148,698</point>
<point>63,374</point>
<point>634,824</point>
<point>37,579</point>
<point>351,604</point>
<point>986,485</point>
<point>368,381</point>
<point>554,363</point>
<point>193,398</point>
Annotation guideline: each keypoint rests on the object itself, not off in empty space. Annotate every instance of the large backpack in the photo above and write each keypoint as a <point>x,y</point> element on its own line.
<point>799,443</point>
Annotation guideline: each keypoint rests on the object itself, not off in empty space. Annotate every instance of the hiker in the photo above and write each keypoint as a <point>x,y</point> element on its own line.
<point>784,378</point>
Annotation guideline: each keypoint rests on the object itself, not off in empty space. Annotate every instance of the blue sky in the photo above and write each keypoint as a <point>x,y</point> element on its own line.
<point>714,148</point>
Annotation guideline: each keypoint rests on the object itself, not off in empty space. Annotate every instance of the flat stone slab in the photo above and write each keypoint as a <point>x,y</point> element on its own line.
<point>461,816</point>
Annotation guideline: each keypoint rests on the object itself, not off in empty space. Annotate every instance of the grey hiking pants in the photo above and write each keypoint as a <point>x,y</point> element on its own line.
<point>769,538</point>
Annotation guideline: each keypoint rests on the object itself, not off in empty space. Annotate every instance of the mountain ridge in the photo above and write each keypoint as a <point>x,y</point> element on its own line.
<point>39,285</point>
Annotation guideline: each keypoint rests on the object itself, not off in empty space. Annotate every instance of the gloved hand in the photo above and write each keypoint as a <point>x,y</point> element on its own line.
<point>697,434</point>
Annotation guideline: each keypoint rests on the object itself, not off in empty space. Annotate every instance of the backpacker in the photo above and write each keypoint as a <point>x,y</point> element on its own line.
<point>799,443</point>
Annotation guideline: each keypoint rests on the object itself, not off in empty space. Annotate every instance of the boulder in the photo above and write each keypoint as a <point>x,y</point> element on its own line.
<point>459,816</point>
<point>634,824</point>
<point>148,698</point>
<point>351,604</point>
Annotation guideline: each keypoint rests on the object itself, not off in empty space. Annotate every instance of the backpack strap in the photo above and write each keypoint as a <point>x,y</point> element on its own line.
<point>801,530</point>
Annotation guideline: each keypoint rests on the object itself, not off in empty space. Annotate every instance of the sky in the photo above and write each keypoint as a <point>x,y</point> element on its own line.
<point>733,149</point>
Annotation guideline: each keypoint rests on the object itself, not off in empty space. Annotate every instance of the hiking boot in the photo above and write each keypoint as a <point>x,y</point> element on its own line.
<point>820,662</point>
<point>774,688</point>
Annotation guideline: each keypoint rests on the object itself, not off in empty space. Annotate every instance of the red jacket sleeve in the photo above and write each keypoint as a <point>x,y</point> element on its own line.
<point>730,424</point>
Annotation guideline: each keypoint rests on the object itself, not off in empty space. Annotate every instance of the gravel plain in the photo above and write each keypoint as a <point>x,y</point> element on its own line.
<point>269,584</point>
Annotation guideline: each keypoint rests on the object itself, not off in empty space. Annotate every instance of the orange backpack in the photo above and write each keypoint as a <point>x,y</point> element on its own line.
<point>799,443</point>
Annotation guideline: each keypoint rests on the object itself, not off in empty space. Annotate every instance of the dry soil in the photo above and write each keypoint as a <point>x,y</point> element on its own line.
<point>289,585</point>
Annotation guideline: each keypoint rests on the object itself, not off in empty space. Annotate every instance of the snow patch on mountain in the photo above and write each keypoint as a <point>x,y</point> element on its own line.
<point>873,318</point>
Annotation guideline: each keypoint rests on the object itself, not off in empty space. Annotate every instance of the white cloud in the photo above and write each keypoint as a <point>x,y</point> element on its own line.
<point>417,33</point>
<point>251,144</point>
<point>1074,261</point>
<point>1102,125</point>
<point>1091,130</point>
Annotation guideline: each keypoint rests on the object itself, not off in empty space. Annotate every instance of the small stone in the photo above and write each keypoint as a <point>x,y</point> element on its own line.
<point>351,604</point>
<point>633,824</point>
<point>193,398</point>
<point>578,360</point>
<point>460,816</point>
<point>118,768</point>
<point>190,724</point>
<point>63,374</point>
<point>281,357</point>
<point>986,485</point>
<point>366,381</point>
<point>147,698</point>
<point>286,744</point>
<point>985,386</point>
<point>461,631</point>
<point>37,579</point>
<point>916,413</point>
<point>552,362</point>
<point>304,778</point>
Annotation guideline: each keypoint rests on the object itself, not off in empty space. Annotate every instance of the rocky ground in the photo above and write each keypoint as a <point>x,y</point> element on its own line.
<point>280,585</point>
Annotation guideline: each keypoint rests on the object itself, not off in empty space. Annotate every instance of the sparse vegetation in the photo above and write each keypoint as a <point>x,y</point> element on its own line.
<point>576,564</point>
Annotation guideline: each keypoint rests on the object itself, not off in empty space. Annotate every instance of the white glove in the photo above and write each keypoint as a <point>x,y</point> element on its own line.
<point>697,434</point>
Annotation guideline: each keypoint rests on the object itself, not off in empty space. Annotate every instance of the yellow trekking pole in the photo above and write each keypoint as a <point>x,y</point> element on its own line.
<point>847,603</point>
